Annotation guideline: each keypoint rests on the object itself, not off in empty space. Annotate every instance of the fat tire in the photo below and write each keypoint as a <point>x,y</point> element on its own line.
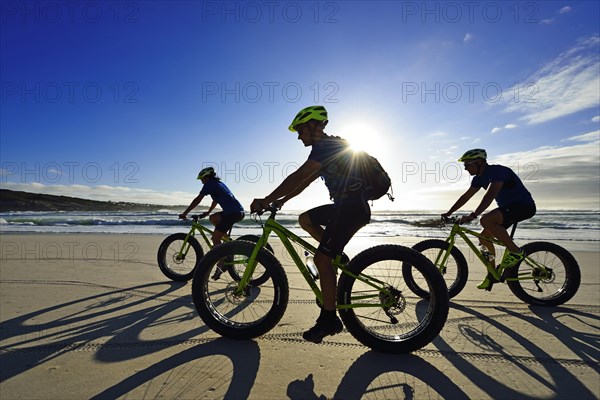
<point>437,304</point>
<point>570,272</point>
<point>222,323</point>
<point>163,257</point>
<point>454,286</point>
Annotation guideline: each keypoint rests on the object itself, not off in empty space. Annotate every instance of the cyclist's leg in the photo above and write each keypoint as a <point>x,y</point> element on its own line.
<point>216,219</point>
<point>493,224</point>
<point>223,223</point>
<point>313,220</point>
<point>488,244</point>
<point>344,221</point>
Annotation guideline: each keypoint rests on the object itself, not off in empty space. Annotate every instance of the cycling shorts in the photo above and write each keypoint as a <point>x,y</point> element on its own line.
<point>341,222</point>
<point>227,220</point>
<point>516,212</point>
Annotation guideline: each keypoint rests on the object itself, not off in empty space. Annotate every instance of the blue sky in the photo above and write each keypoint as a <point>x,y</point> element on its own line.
<point>128,100</point>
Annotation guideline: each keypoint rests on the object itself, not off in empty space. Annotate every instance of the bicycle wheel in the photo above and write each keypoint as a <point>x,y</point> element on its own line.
<point>555,286</point>
<point>455,271</point>
<point>249,314</point>
<point>410,322</point>
<point>236,272</point>
<point>174,265</point>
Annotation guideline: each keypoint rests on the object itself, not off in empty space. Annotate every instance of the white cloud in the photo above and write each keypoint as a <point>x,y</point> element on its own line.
<point>560,176</point>
<point>565,10</point>
<point>596,118</point>
<point>507,126</point>
<point>549,21</point>
<point>568,84</point>
<point>584,137</point>
<point>468,37</point>
<point>437,134</point>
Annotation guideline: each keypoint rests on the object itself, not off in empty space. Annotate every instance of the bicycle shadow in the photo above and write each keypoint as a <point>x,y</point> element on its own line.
<point>554,377</point>
<point>117,314</point>
<point>389,374</point>
<point>585,345</point>
<point>244,357</point>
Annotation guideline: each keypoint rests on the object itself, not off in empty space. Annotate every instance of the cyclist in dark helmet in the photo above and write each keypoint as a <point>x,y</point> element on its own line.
<point>232,209</point>
<point>332,225</point>
<point>513,199</point>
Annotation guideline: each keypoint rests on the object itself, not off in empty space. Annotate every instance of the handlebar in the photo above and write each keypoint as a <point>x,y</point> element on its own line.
<point>454,220</point>
<point>451,220</point>
<point>194,217</point>
<point>272,208</point>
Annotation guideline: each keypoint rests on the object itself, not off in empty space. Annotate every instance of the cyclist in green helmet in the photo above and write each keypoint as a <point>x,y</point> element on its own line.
<point>332,225</point>
<point>513,199</point>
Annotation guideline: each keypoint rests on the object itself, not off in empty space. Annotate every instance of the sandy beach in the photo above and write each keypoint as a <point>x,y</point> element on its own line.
<point>91,316</point>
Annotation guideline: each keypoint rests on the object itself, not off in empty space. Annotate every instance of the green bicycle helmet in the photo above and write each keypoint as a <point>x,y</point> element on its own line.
<point>318,113</point>
<point>208,171</point>
<point>473,154</point>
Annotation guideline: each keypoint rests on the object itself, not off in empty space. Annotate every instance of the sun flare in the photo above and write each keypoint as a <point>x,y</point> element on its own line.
<point>362,137</point>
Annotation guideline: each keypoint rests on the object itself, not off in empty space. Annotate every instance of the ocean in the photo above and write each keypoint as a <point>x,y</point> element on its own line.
<point>565,225</point>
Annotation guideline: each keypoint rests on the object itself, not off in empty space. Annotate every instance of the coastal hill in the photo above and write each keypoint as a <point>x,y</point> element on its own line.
<point>11,200</point>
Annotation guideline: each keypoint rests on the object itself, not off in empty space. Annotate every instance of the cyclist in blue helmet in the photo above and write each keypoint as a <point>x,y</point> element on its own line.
<point>232,209</point>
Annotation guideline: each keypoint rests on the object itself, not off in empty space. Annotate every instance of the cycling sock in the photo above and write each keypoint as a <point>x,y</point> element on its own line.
<point>327,315</point>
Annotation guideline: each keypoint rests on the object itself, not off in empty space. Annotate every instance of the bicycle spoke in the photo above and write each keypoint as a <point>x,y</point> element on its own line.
<point>408,314</point>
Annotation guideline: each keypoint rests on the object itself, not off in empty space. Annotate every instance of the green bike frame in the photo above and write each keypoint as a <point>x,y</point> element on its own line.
<point>287,237</point>
<point>442,258</point>
<point>196,226</point>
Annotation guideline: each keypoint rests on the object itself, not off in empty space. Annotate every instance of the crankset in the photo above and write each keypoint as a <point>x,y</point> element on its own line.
<point>396,298</point>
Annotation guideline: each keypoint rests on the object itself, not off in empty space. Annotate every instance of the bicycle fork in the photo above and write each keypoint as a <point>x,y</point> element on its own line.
<point>244,283</point>
<point>185,247</point>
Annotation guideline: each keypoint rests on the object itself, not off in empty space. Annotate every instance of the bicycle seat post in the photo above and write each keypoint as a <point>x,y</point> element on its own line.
<point>514,228</point>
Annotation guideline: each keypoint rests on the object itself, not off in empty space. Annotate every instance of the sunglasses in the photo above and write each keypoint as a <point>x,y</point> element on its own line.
<point>300,127</point>
<point>468,164</point>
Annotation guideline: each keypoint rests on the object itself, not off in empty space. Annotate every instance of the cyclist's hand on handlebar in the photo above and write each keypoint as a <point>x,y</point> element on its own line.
<point>278,204</point>
<point>465,219</point>
<point>258,205</point>
<point>204,214</point>
<point>183,216</point>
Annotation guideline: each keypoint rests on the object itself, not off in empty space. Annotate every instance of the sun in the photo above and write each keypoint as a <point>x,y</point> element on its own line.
<point>362,137</point>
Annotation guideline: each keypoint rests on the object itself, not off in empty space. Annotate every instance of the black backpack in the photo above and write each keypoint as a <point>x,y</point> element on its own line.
<point>359,174</point>
<point>376,182</point>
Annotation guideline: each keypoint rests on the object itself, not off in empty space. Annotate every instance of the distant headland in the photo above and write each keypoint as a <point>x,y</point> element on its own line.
<point>11,200</point>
